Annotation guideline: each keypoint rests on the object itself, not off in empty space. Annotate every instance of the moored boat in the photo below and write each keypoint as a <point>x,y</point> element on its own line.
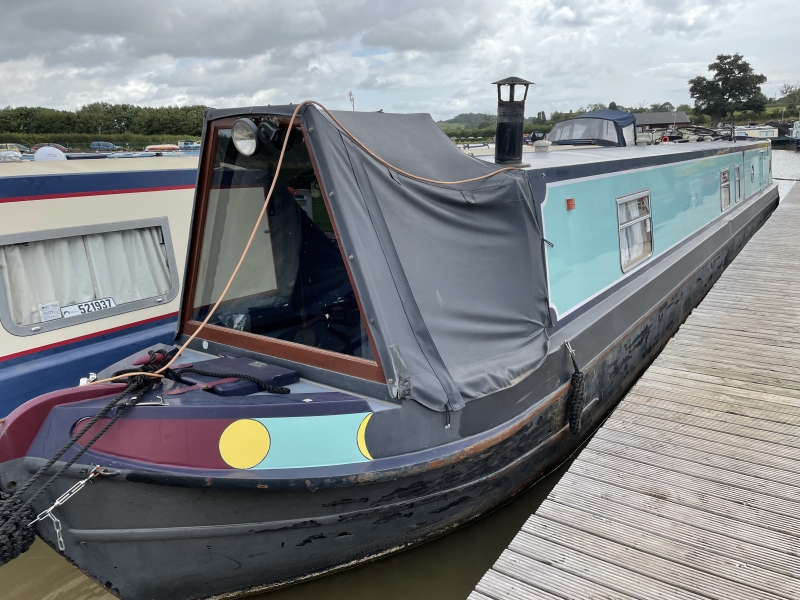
<point>417,339</point>
<point>91,260</point>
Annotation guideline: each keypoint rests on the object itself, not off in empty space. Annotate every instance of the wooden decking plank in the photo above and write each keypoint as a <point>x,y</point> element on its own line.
<point>547,577</point>
<point>601,492</point>
<point>768,412</point>
<point>746,375</point>
<point>710,344</point>
<point>732,301</point>
<point>731,314</point>
<point>716,412</point>
<point>653,376</point>
<point>757,327</point>
<point>733,376</point>
<point>596,570</point>
<point>777,340</point>
<point>713,424</point>
<point>691,491</point>
<point>499,586</point>
<point>695,430</point>
<point>715,541</point>
<point>782,366</point>
<point>724,381</point>
<point>618,429</point>
<point>662,559</point>
<point>473,595</point>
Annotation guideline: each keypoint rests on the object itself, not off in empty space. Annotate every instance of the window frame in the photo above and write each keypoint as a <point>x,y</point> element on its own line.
<point>722,186</point>
<point>349,365</point>
<point>622,226</point>
<point>53,234</point>
<point>737,178</point>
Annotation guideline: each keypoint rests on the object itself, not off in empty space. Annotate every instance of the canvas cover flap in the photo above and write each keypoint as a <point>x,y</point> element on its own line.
<point>451,277</point>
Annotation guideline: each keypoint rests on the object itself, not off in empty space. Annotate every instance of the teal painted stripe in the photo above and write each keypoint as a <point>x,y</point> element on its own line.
<point>319,441</point>
<point>684,197</point>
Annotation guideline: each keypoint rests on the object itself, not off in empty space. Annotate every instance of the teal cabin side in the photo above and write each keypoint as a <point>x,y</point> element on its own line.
<point>684,197</point>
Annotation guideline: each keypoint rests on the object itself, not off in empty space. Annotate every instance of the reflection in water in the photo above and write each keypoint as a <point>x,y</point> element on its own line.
<point>445,569</point>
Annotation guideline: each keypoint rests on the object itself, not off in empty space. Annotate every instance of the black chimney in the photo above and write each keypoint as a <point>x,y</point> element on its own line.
<point>510,119</point>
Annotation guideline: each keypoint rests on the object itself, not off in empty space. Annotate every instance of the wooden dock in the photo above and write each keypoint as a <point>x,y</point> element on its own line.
<point>691,489</point>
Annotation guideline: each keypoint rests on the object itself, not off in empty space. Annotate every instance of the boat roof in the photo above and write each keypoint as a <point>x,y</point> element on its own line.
<point>567,157</point>
<point>620,117</point>
<point>28,168</point>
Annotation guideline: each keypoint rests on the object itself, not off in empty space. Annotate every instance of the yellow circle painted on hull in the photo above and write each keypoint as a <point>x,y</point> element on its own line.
<point>244,443</point>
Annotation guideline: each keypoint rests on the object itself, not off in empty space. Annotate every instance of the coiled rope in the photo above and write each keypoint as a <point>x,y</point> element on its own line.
<point>16,515</point>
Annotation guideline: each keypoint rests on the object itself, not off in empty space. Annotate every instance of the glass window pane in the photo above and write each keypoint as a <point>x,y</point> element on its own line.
<point>635,242</point>
<point>293,284</point>
<point>633,209</point>
<point>725,188</point>
<point>66,277</point>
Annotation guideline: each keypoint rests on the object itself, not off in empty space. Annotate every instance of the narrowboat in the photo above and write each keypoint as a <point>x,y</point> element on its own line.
<point>91,260</point>
<point>414,336</point>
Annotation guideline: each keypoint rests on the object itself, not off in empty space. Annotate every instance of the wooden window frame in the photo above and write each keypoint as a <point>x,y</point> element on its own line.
<point>325,359</point>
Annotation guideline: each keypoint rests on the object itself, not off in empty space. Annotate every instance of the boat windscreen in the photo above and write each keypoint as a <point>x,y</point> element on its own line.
<point>602,131</point>
<point>293,284</point>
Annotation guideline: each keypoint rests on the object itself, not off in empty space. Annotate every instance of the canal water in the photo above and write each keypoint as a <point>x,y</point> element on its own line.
<point>445,569</point>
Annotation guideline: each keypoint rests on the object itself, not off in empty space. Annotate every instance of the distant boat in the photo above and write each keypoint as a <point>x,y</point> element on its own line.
<point>162,148</point>
<point>91,260</point>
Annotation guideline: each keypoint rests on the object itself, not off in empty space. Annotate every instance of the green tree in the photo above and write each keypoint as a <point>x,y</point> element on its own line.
<point>684,108</point>
<point>735,86</point>
<point>791,94</point>
<point>612,106</point>
<point>663,107</point>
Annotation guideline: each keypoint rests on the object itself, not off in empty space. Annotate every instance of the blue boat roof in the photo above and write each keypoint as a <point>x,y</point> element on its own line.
<point>618,116</point>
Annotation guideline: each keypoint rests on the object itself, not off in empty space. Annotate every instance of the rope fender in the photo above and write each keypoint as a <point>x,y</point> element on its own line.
<point>577,394</point>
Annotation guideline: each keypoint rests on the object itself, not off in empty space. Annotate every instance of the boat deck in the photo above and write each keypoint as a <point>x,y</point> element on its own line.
<point>568,156</point>
<point>691,489</point>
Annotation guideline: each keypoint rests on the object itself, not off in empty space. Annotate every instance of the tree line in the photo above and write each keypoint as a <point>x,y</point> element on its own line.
<point>101,118</point>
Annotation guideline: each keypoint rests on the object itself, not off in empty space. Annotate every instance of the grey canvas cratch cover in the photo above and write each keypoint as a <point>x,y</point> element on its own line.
<point>452,275</point>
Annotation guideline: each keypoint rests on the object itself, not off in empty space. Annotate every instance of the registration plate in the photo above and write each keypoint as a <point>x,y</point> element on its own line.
<point>83,308</point>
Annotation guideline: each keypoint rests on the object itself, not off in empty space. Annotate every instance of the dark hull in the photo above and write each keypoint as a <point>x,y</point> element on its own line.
<point>147,536</point>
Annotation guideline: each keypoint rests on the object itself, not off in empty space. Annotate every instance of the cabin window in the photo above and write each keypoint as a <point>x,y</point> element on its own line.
<point>598,131</point>
<point>635,229</point>
<point>293,285</point>
<point>725,188</point>
<point>738,182</point>
<point>50,281</point>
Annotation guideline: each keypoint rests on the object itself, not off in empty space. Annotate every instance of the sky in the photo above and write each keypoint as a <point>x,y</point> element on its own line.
<point>435,56</point>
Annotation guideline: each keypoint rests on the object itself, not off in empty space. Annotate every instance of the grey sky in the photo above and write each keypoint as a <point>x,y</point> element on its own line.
<point>436,56</point>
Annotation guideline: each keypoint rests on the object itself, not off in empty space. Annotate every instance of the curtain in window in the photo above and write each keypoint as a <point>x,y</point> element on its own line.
<point>123,265</point>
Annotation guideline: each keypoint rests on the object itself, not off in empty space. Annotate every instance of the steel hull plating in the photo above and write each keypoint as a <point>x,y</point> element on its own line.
<point>148,536</point>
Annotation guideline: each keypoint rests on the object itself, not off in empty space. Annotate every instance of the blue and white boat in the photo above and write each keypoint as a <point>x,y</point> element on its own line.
<point>91,260</point>
<point>415,336</point>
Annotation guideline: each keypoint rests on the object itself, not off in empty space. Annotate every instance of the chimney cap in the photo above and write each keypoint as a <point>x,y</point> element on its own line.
<point>512,81</point>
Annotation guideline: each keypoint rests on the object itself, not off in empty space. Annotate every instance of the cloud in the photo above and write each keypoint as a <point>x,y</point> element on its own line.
<point>436,56</point>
